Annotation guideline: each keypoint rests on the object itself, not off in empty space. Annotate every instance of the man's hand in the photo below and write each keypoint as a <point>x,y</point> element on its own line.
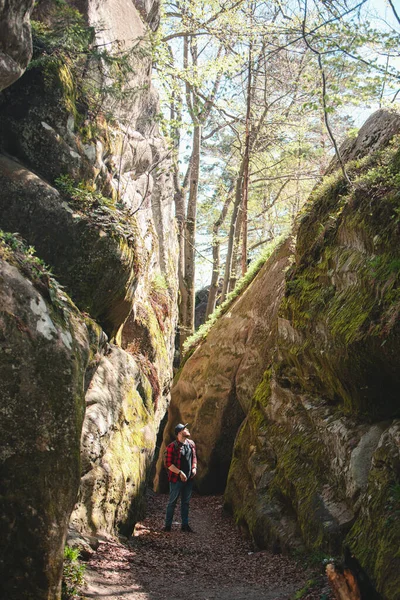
<point>194,471</point>
<point>182,476</point>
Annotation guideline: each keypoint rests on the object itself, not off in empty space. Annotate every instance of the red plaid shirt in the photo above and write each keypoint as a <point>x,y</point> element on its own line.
<point>173,457</point>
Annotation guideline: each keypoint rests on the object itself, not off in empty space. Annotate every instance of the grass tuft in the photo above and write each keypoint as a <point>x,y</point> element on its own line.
<point>241,285</point>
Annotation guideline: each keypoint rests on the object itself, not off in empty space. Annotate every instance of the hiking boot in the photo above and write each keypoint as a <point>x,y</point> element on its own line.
<point>187,528</point>
<point>167,528</point>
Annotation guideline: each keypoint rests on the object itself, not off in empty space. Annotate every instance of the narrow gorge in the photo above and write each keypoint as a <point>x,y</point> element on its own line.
<point>292,395</point>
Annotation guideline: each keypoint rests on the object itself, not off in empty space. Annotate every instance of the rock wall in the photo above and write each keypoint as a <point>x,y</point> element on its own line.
<point>45,348</point>
<point>214,388</point>
<point>15,39</point>
<point>316,460</point>
<point>85,180</point>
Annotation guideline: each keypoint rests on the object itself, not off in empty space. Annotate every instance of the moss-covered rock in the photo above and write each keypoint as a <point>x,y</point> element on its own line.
<point>44,351</point>
<point>214,388</point>
<point>37,126</point>
<point>374,539</point>
<point>284,455</point>
<point>92,257</point>
<point>87,180</point>
<point>327,404</point>
<point>315,464</point>
<point>342,294</point>
<point>118,444</point>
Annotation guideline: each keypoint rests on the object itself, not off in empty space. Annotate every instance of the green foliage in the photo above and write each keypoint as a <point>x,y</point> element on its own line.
<point>66,37</point>
<point>102,212</point>
<point>310,584</point>
<point>159,283</point>
<point>290,146</point>
<point>65,49</point>
<point>241,285</point>
<point>83,194</point>
<point>14,250</point>
<point>73,575</point>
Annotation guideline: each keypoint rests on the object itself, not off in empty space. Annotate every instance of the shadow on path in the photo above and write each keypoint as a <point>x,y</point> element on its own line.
<point>216,562</point>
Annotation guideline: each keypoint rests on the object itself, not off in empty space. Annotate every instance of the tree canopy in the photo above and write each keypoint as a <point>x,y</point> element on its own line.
<point>256,100</point>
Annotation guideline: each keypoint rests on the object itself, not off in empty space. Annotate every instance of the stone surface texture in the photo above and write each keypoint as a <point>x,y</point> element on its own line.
<point>89,186</point>
<point>44,351</point>
<point>15,39</point>
<point>118,442</point>
<point>214,389</point>
<point>316,460</point>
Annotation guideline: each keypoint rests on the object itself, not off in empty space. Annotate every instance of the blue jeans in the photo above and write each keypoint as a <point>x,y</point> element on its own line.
<point>184,489</point>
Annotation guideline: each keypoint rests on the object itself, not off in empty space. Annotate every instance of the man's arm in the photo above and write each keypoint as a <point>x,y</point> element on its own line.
<point>194,460</point>
<point>181,474</point>
<point>170,465</point>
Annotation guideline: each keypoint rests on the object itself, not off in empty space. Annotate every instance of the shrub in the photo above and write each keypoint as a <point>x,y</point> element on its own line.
<point>73,575</point>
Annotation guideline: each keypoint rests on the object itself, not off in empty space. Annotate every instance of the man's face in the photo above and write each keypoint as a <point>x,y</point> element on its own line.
<point>185,433</point>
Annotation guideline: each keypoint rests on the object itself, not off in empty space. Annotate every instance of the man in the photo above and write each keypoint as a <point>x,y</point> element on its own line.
<point>181,465</point>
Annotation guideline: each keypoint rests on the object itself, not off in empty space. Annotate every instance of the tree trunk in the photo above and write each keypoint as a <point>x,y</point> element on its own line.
<point>343,583</point>
<point>232,230</point>
<point>246,162</point>
<point>180,193</point>
<point>216,244</point>
<point>188,301</point>
<point>236,252</point>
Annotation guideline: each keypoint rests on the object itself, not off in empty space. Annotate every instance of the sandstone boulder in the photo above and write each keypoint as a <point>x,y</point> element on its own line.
<point>93,257</point>
<point>86,179</point>
<point>315,462</point>
<point>118,443</point>
<point>15,40</point>
<point>44,351</point>
<point>213,391</point>
<point>323,414</point>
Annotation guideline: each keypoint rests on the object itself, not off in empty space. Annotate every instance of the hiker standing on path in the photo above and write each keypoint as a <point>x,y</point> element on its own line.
<point>181,464</point>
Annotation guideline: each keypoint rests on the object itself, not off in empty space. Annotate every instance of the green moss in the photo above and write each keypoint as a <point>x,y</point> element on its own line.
<point>343,293</point>
<point>242,284</point>
<point>299,477</point>
<point>61,47</point>
<point>348,313</point>
<point>14,250</point>
<point>296,466</point>
<point>375,536</point>
<point>148,318</point>
<point>263,391</point>
<point>102,212</point>
<point>117,497</point>
<point>310,584</point>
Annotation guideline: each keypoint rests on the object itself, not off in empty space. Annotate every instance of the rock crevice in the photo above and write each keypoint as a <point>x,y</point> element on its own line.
<point>315,462</point>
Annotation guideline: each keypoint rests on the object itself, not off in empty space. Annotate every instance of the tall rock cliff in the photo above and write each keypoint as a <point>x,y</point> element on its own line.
<point>86,351</point>
<point>310,356</point>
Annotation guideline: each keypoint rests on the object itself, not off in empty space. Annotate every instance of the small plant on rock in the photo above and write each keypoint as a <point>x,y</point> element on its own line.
<point>92,75</point>
<point>82,194</point>
<point>73,575</point>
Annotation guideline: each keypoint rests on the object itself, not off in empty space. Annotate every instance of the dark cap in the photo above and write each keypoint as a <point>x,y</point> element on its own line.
<point>180,427</point>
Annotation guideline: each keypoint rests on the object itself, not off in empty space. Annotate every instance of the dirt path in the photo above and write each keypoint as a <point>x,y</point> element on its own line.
<point>214,563</point>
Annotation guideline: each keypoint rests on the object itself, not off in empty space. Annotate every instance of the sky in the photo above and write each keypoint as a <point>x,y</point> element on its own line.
<point>380,12</point>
